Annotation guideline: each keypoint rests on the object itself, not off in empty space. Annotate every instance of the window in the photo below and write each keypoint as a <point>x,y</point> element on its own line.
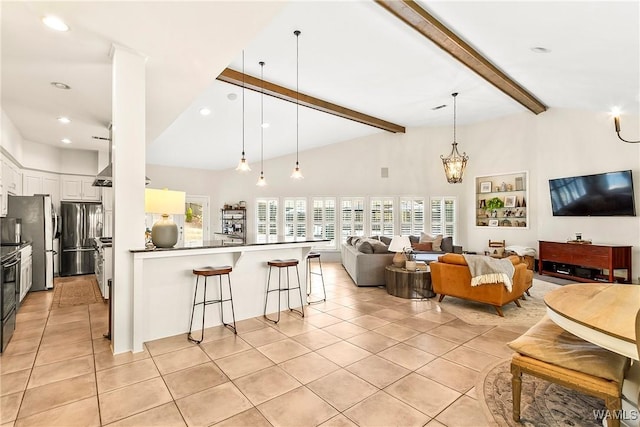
<point>381,216</point>
<point>266,220</point>
<point>324,221</point>
<point>196,225</point>
<point>443,216</point>
<point>351,217</point>
<point>411,216</point>
<point>295,219</point>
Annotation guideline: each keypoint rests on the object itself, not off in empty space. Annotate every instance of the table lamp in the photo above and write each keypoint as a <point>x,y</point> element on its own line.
<point>164,233</point>
<point>398,245</point>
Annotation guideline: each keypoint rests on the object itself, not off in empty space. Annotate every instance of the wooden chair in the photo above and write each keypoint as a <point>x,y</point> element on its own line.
<point>496,248</point>
<point>548,341</point>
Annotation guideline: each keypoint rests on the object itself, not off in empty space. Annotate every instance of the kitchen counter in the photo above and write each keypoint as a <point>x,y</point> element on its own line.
<point>163,285</point>
<point>8,250</point>
<point>224,244</point>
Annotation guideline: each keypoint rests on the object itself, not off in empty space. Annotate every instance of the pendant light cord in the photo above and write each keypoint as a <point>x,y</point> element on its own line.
<point>297,33</point>
<point>243,103</point>
<point>454,116</point>
<point>262,118</point>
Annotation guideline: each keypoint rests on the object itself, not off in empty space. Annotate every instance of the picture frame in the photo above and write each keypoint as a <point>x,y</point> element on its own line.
<point>493,223</point>
<point>485,187</point>
<point>510,201</point>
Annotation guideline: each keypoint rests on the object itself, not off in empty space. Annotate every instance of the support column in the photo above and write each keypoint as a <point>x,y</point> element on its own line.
<point>128,159</point>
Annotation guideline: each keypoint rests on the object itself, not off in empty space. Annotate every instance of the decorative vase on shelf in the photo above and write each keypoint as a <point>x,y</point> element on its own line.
<point>524,203</point>
<point>503,186</point>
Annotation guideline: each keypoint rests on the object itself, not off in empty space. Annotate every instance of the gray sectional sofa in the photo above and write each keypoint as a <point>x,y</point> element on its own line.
<point>366,265</point>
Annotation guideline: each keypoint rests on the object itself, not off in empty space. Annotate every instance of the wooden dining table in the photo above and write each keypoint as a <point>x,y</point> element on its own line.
<point>603,314</point>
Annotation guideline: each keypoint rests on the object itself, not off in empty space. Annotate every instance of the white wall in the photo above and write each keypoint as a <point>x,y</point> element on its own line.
<point>10,138</point>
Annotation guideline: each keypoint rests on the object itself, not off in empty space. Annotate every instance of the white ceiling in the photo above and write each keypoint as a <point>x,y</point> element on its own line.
<point>355,54</point>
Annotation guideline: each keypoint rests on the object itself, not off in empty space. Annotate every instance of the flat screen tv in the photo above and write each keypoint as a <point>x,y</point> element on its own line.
<point>603,194</point>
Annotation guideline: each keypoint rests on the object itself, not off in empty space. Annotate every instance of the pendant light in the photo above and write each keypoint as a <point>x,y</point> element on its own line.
<point>454,163</point>
<point>243,166</point>
<point>261,181</point>
<point>297,174</point>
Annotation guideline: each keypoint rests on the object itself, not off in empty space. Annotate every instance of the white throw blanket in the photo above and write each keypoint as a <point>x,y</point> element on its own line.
<point>485,269</point>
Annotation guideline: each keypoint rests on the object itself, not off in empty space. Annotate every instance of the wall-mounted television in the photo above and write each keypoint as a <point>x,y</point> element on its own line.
<point>603,194</point>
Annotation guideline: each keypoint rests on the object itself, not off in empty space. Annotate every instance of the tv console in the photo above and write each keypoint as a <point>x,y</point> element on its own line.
<point>584,262</point>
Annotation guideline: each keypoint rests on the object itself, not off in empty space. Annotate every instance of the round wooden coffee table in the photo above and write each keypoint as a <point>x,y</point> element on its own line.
<point>408,284</point>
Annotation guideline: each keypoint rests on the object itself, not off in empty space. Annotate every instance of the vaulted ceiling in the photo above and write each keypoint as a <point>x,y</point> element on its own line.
<point>357,55</point>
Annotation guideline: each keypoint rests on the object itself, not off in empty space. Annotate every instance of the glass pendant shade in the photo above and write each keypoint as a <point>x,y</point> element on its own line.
<point>261,181</point>
<point>297,174</point>
<point>243,165</point>
<point>455,162</point>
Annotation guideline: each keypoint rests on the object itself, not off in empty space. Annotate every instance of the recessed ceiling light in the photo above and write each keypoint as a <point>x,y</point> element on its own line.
<point>65,141</point>
<point>265,125</point>
<point>540,49</point>
<point>55,23</point>
<point>232,96</point>
<point>60,85</point>
<point>205,111</point>
<point>64,120</point>
<point>439,107</point>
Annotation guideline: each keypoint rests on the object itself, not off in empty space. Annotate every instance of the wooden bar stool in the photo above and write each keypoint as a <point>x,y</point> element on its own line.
<point>206,272</point>
<point>310,256</point>
<point>280,264</point>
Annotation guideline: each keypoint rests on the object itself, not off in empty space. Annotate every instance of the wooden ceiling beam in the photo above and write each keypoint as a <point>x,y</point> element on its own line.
<point>420,20</point>
<point>253,83</point>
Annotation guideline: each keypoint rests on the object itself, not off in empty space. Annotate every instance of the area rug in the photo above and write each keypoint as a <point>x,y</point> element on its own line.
<point>475,313</point>
<point>78,290</point>
<point>542,403</point>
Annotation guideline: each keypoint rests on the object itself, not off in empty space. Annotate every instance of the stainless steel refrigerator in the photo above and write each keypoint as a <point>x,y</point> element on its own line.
<point>38,227</point>
<point>81,222</point>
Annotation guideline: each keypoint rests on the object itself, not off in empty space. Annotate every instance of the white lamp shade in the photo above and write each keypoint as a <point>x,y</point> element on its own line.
<point>164,201</point>
<point>399,244</point>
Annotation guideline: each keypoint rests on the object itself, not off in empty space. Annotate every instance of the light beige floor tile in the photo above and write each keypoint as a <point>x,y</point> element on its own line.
<point>66,318</point>
<point>384,410</point>
<point>56,394</point>
<point>280,351</point>
<point>345,330</point>
<point>106,359</point>
<point>14,382</point>
<point>463,412</point>
<point>390,314</point>
<point>437,315</point>
<point>504,333</point>
<point>248,325</point>
<point>453,333</point>
<point>417,323</point>
<point>215,332</point>
<point>339,421</point>
<point>490,345</point>
<point>59,352</point>
<point>58,371</point>
<point>431,344</point>
<point>213,405</point>
<point>225,347</point>
<point>406,356</point>
<point>124,375</point>
<point>19,362</point>
<point>470,358</point>
<point>316,339</point>
<point>369,322</point>
<point>327,305</point>
<point>323,320</point>
<point>100,345</point>
<point>478,329</point>
<point>166,415</point>
<point>262,336</point>
<point>293,326</point>
<point>249,418</point>
<point>266,384</point>
<point>165,345</point>
<point>345,313</point>
<point>29,325</point>
<point>425,395</point>
<point>27,345</point>
<point>343,353</point>
<point>342,389</point>
<point>378,371</point>
<point>28,333</point>
<point>244,363</point>
<point>83,413</point>
<point>133,399</point>
<point>451,374</point>
<point>194,379</point>
<point>299,407</point>
<point>434,423</point>
<point>472,393</point>
<point>180,359</point>
<point>309,367</point>
<point>62,337</point>
<point>372,341</point>
<point>397,332</point>
<point>9,405</point>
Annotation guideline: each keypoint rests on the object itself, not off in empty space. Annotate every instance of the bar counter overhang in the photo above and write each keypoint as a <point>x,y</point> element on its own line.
<point>164,285</point>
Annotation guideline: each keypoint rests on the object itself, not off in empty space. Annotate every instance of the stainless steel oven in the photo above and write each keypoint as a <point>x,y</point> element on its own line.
<point>10,287</point>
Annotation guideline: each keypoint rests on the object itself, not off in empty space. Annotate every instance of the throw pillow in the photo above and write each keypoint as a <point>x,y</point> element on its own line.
<point>436,240</point>
<point>425,246</point>
<point>386,240</point>
<point>414,239</point>
<point>364,246</point>
<point>447,245</point>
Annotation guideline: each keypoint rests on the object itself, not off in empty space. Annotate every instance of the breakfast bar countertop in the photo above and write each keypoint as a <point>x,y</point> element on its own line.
<point>209,244</point>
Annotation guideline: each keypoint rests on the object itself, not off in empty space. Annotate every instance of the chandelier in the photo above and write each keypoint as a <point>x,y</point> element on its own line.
<point>454,163</point>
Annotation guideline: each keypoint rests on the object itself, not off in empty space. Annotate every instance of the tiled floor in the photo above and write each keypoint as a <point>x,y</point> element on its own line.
<point>362,358</point>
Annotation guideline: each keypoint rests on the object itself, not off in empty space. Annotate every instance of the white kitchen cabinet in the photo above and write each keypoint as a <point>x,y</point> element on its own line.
<point>26,271</point>
<point>107,206</point>
<point>107,225</point>
<point>35,182</point>
<point>79,188</point>
<point>11,178</point>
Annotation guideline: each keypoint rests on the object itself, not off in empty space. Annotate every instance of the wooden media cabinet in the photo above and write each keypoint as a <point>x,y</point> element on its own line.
<point>584,262</point>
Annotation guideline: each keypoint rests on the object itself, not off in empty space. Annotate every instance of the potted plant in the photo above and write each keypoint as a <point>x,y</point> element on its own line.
<point>494,203</point>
